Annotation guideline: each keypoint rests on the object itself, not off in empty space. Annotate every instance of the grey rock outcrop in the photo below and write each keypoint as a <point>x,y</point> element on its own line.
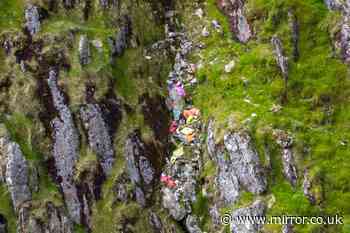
<point>55,221</point>
<point>192,224</point>
<point>120,43</point>
<point>84,50</point>
<point>32,18</point>
<point>257,209</point>
<point>140,168</point>
<point>170,202</point>
<point>238,164</point>
<point>245,161</point>
<point>288,162</point>
<point>307,187</point>
<point>17,175</point>
<point>98,135</point>
<point>65,148</point>
<point>226,178</point>
<point>155,222</point>
<point>334,4</point>
<point>14,170</point>
<point>234,9</point>
<point>343,41</point>
<point>281,60</point>
<point>287,228</point>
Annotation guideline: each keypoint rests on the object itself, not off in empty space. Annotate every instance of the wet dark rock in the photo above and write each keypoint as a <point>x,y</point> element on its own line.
<point>65,148</point>
<point>234,9</point>
<point>120,43</point>
<point>281,60</point>
<point>32,19</point>
<point>84,50</point>
<point>140,167</point>
<point>98,135</point>
<point>192,224</point>
<point>55,221</point>
<point>14,170</point>
<point>170,202</point>
<point>258,208</point>
<point>3,224</point>
<point>307,187</point>
<point>289,167</point>
<point>287,228</point>
<point>156,115</point>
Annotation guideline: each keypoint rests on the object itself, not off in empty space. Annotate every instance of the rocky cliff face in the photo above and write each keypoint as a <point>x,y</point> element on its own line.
<point>164,116</point>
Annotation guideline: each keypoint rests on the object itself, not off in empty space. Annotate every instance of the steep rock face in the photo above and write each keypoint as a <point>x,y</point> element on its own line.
<point>32,19</point>
<point>140,168</point>
<point>55,221</point>
<point>289,167</point>
<point>257,209</point>
<point>234,9</point>
<point>14,170</point>
<point>99,138</point>
<point>65,148</point>
<point>241,166</point>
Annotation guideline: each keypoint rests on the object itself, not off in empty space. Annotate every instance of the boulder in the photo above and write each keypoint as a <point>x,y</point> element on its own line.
<point>99,139</point>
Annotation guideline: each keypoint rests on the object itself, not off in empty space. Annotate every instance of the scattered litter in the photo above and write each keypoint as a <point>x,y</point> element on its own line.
<point>216,25</point>
<point>148,57</point>
<point>168,181</point>
<point>193,112</point>
<point>199,12</point>
<point>229,67</point>
<point>173,127</point>
<point>205,32</point>
<point>276,108</point>
<point>187,131</point>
